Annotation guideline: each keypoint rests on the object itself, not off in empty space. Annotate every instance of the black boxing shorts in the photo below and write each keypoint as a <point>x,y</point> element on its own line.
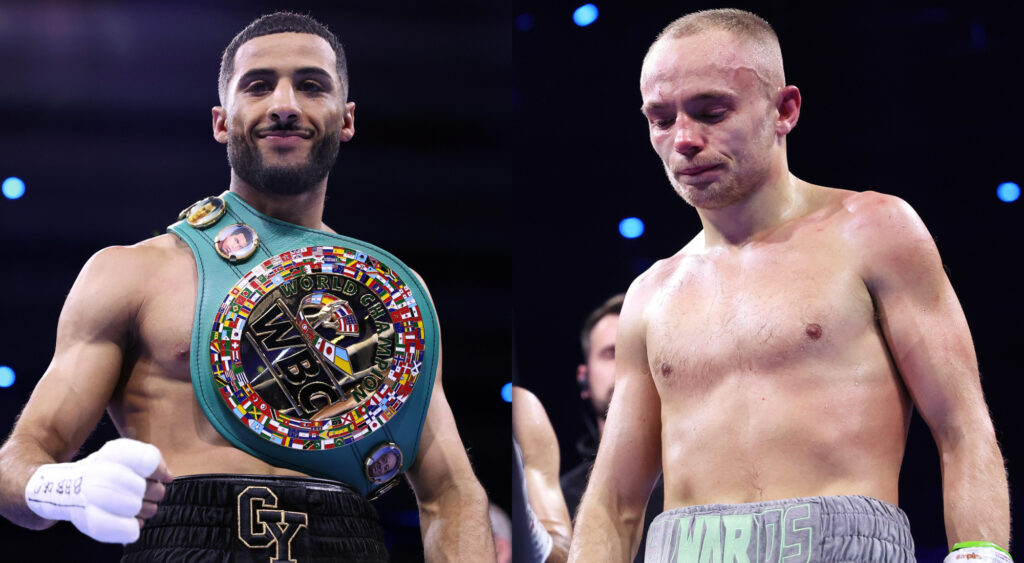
<point>259,518</point>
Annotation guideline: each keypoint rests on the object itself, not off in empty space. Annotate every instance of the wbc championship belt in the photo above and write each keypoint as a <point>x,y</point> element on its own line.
<point>310,350</point>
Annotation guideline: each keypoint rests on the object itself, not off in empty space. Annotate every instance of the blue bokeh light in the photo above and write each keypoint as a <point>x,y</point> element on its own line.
<point>1008,192</point>
<point>13,188</point>
<point>506,392</point>
<point>631,227</point>
<point>524,22</point>
<point>585,15</point>
<point>6,376</point>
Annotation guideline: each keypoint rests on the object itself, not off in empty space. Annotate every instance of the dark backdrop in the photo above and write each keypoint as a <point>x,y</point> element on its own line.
<point>507,158</point>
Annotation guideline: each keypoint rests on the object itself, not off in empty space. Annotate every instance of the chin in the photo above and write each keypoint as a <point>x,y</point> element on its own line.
<point>286,159</point>
<point>714,195</point>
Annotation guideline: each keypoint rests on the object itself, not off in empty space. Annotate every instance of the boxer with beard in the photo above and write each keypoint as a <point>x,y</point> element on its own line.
<point>134,338</point>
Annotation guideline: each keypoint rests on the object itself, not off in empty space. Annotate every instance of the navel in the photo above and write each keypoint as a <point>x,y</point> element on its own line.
<point>813,330</point>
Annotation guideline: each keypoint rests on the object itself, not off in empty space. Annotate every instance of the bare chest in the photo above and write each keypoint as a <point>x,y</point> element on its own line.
<point>164,325</point>
<point>768,312</point>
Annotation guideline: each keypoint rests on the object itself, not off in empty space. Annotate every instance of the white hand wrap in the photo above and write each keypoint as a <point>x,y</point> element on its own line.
<point>100,494</point>
<point>978,552</point>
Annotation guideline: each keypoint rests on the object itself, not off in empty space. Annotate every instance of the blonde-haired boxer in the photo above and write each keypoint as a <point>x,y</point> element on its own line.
<point>771,365</point>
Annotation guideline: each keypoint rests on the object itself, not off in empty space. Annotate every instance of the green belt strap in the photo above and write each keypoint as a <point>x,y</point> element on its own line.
<point>217,276</point>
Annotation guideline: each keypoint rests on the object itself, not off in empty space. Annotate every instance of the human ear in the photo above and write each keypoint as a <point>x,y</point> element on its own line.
<point>348,122</point>
<point>787,102</point>
<point>220,124</point>
<point>582,377</point>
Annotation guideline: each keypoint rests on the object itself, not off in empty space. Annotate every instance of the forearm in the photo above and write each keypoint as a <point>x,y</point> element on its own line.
<point>559,542</point>
<point>456,527</point>
<point>975,493</point>
<point>547,503</point>
<point>605,531</point>
<point>19,458</point>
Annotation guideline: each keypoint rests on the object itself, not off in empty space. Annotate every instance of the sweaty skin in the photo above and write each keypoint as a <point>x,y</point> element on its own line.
<point>124,333</point>
<point>780,352</point>
<point>536,438</point>
<point>773,372</point>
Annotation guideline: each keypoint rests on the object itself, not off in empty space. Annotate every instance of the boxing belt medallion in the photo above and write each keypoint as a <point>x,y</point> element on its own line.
<point>316,352</point>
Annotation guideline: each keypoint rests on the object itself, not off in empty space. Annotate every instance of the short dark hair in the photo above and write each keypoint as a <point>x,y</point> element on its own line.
<point>613,306</point>
<point>280,22</point>
<point>248,234</point>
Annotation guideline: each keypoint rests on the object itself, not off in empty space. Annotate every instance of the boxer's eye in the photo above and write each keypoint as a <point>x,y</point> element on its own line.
<point>257,87</point>
<point>713,115</point>
<point>311,86</point>
<point>661,122</point>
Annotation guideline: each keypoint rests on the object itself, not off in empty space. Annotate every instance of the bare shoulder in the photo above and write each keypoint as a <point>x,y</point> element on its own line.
<point>142,256</point>
<point>886,234</point>
<point>530,424</point>
<point>526,406</point>
<point>161,248</point>
<point>115,278</point>
<point>873,217</point>
<point>117,266</point>
<point>661,274</point>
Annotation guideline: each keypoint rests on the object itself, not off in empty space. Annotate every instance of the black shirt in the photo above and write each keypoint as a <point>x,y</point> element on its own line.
<point>574,482</point>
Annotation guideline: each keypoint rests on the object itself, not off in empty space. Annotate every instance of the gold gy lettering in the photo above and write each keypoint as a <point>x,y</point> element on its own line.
<point>260,526</point>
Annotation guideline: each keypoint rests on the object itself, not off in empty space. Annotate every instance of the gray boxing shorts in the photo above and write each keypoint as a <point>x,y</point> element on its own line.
<point>806,530</point>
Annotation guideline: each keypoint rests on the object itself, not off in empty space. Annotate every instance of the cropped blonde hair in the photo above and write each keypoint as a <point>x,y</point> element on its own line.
<point>748,27</point>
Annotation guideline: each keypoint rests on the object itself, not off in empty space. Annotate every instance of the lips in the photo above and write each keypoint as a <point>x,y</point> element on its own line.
<point>696,170</point>
<point>284,133</point>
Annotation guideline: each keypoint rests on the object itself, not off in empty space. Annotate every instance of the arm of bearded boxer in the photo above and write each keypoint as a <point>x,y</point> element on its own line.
<point>454,520</point>
<point>536,438</point>
<point>109,494</point>
<point>609,522</point>
<point>927,334</point>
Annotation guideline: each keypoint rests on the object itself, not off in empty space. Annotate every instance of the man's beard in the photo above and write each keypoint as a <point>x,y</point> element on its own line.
<point>245,159</point>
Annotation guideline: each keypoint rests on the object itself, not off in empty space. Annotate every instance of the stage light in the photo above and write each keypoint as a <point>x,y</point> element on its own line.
<point>6,376</point>
<point>585,15</point>
<point>13,188</point>
<point>506,392</point>
<point>1008,191</point>
<point>524,22</point>
<point>631,227</point>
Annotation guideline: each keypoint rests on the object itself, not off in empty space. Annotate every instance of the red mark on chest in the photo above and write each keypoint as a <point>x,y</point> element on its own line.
<point>666,369</point>
<point>813,330</point>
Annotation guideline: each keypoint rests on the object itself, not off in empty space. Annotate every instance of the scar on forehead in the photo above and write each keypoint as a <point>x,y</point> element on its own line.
<point>720,54</point>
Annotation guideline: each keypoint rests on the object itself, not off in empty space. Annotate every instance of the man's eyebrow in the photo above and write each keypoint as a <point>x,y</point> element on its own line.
<point>314,71</point>
<point>651,106</point>
<point>707,95</point>
<point>713,95</point>
<point>256,74</point>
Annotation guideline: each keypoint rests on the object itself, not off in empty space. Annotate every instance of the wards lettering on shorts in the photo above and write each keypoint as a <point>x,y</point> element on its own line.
<point>779,535</point>
<point>263,526</point>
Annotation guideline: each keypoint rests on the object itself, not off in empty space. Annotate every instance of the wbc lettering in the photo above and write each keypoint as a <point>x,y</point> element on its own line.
<point>318,347</point>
